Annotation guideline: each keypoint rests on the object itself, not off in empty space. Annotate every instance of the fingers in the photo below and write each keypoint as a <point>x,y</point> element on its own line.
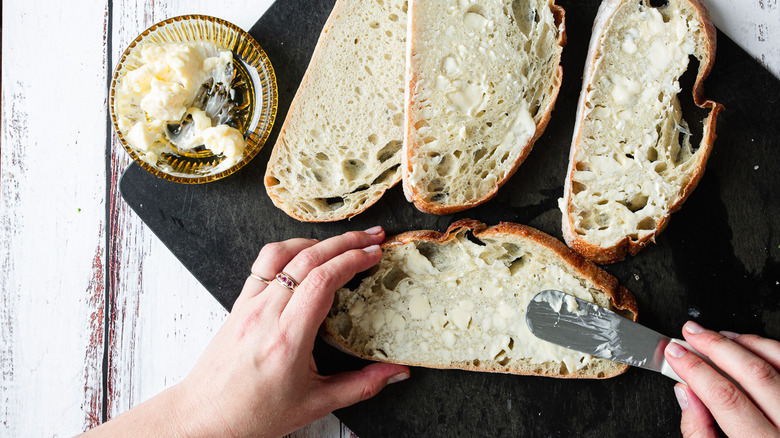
<point>696,422</point>
<point>767,349</point>
<point>310,258</point>
<point>271,259</point>
<point>759,379</point>
<point>351,387</point>
<point>275,256</point>
<point>312,301</point>
<point>732,409</point>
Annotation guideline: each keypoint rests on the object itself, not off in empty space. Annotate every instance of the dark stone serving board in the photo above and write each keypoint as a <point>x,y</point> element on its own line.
<point>718,261</point>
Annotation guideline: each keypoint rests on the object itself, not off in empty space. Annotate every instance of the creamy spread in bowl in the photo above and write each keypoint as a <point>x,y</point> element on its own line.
<point>160,105</point>
<point>193,99</point>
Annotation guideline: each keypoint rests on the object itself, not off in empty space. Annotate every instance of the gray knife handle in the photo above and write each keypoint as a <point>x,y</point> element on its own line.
<point>667,371</point>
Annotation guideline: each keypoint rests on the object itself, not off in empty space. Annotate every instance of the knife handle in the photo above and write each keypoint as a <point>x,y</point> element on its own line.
<point>667,371</point>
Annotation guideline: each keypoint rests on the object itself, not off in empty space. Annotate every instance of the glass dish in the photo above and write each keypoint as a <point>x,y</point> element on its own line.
<point>254,83</point>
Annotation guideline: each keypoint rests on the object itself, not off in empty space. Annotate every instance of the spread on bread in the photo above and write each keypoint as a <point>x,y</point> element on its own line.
<point>457,301</point>
<point>632,160</point>
<point>482,81</point>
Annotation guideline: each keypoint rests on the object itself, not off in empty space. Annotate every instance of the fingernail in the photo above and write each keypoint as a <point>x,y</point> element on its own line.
<point>373,249</point>
<point>682,397</point>
<point>693,328</point>
<point>400,377</point>
<point>728,334</point>
<point>676,350</point>
<point>374,230</point>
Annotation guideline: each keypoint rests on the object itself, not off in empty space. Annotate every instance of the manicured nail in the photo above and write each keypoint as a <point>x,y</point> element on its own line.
<point>682,397</point>
<point>728,334</point>
<point>373,249</point>
<point>693,328</point>
<point>400,377</point>
<point>374,230</point>
<point>675,349</point>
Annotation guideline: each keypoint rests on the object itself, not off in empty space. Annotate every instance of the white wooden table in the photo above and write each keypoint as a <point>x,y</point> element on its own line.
<point>96,315</point>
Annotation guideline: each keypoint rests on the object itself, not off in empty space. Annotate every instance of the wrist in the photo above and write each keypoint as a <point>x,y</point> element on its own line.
<point>181,411</point>
<point>196,414</point>
<point>163,415</point>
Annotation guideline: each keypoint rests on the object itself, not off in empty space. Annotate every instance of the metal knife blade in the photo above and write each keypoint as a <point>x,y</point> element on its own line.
<point>576,324</point>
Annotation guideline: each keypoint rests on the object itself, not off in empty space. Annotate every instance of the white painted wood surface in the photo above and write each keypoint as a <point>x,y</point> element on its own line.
<point>754,25</point>
<point>52,217</point>
<point>163,317</point>
<point>65,233</point>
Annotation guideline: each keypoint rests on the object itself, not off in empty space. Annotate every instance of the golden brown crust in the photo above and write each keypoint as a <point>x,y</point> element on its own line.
<point>411,82</point>
<point>302,88</point>
<point>430,207</point>
<point>620,297</point>
<point>618,251</point>
<point>268,178</point>
<point>702,102</point>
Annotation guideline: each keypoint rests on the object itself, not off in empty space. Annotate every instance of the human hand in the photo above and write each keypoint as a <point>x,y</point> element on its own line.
<point>258,376</point>
<point>752,361</point>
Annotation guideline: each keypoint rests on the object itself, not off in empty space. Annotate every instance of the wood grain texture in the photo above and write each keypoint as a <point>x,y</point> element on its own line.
<point>161,318</point>
<point>754,25</point>
<point>52,216</point>
<point>328,427</point>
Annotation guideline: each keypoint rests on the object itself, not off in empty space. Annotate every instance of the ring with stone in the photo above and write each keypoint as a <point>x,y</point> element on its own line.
<point>286,280</point>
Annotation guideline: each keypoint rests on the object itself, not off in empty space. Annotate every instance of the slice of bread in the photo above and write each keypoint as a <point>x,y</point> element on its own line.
<point>458,299</point>
<point>482,81</point>
<point>339,148</point>
<point>632,161</point>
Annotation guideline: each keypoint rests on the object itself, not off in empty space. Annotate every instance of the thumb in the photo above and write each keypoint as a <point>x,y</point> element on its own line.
<point>696,421</point>
<point>350,387</point>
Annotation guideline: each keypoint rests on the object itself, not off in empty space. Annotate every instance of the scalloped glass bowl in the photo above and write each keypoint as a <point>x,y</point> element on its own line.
<point>254,76</point>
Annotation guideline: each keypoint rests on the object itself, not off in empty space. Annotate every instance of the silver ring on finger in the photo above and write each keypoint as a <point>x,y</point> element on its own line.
<point>287,281</point>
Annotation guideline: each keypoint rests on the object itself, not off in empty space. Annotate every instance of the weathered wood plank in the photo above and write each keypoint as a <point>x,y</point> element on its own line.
<point>754,25</point>
<point>161,318</point>
<point>145,347</point>
<point>328,427</point>
<point>52,217</point>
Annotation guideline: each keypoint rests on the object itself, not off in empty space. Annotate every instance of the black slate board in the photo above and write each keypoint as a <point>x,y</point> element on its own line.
<point>718,261</point>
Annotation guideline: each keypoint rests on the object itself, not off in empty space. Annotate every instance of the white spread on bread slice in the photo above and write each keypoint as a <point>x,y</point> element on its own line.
<point>482,81</point>
<point>458,299</point>
<point>632,161</point>
<point>339,148</point>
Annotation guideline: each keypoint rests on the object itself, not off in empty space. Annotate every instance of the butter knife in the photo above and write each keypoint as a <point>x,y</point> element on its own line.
<point>576,324</point>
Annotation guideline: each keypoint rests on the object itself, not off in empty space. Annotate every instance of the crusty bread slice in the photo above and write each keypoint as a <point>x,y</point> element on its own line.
<point>482,82</point>
<point>457,300</point>
<point>632,162</point>
<point>339,148</point>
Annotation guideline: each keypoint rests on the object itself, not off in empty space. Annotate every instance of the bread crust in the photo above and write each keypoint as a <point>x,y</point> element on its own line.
<point>618,251</point>
<point>620,297</point>
<point>302,91</point>
<point>412,195</point>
